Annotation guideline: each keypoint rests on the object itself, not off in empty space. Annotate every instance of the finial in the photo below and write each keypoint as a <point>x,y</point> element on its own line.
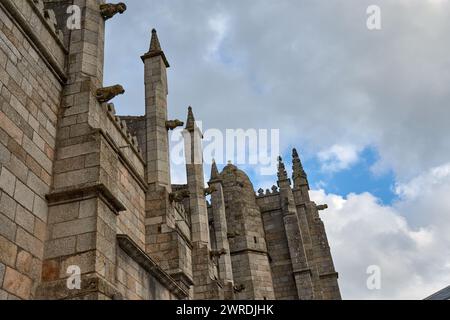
<point>298,172</point>
<point>190,123</point>
<point>282,174</point>
<point>155,49</point>
<point>214,171</point>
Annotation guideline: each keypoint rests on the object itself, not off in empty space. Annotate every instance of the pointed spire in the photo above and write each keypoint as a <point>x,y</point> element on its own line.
<point>155,46</point>
<point>299,175</point>
<point>190,123</point>
<point>282,174</point>
<point>155,49</point>
<point>214,171</point>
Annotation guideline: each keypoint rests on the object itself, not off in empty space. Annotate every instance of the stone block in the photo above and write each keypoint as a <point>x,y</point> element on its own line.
<point>60,248</point>
<point>7,228</point>
<point>29,243</point>
<point>2,273</point>
<point>25,219</point>
<point>37,185</point>
<point>17,284</point>
<point>72,228</point>
<point>24,195</point>
<point>7,206</point>
<point>7,181</point>
<point>24,262</point>
<point>86,242</point>
<point>40,229</point>
<point>8,252</point>
<point>64,213</point>
<point>88,208</point>
<point>10,128</point>
<point>18,168</point>
<point>40,208</point>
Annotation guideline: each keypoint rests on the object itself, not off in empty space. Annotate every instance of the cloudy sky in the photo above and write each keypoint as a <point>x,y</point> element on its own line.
<point>367,109</point>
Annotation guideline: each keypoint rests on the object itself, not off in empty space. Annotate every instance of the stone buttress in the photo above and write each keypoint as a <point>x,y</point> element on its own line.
<point>168,239</point>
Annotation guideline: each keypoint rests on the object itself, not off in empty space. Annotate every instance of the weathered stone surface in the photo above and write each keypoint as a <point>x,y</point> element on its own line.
<point>74,176</point>
<point>7,181</point>
<point>8,252</point>
<point>17,284</point>
<point>2,273</point>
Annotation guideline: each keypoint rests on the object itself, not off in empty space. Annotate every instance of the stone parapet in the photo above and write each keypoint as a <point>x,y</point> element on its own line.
<point>40,26</point>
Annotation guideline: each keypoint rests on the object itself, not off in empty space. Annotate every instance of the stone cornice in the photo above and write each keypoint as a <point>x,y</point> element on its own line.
<point>29,32</point>
<point>146,262</point>
<point>75,194</point>
<point>262,252</point>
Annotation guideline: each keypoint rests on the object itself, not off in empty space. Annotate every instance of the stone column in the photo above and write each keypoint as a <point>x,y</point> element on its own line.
<point>202,266</point>
<point>164,239</point>
<point>221,232</point>
<point>300,265</point>
<point>301,198</point>
<point>324,275</point>
<point>156,91</point>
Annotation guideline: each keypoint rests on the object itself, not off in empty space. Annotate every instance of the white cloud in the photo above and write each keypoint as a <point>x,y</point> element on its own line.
<point>338,157</point>
<point>219,27</point>
<point>408,240</point>
<point>312,69</point>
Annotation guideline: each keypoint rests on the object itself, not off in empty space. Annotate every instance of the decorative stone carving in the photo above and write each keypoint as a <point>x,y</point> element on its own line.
<point>322,207</point>
<point>239,288</point>
<point>261,192</point>
<point>108,93</point>
<point>218,253</point>
<point>109,10</point>
<point>232,235</point>
<point>179,195</point>
<point>210,190</point>
<point>173,124</point>
<point>274,189</point>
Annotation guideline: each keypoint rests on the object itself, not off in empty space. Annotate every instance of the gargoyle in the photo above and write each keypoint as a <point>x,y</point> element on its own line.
<point>173,124</point>
<point>108,93</point>
<point>179,195</point>
<point>109,10</point>
<point>239,288</point>
<point>210,190</point>
<point>232,235</point>
<point>322,207</point>
<point>218,253</point>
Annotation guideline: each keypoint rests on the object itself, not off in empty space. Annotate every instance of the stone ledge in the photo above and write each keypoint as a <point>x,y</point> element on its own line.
<point>329,275</point>
<point>76,194</point>
<point>91,284</point>
<point>261,252</point>
<point>308,270</point>
<point>146,262</point>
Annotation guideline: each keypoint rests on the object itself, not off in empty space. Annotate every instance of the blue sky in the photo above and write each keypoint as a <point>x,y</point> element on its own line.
<point>368,110</point>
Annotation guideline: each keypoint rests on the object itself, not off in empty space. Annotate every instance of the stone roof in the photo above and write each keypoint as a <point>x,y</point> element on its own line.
<point>444,294</point>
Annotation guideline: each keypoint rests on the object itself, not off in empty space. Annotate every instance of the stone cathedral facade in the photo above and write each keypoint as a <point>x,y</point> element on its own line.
<point>86,194</point>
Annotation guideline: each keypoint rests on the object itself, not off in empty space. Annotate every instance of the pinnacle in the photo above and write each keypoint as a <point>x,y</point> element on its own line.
<point>282,174</point>
<point>155,49</point>
<point>190,123</point>
<point>298,170</point>
<point>214,171</point>
<point>155,46</point>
